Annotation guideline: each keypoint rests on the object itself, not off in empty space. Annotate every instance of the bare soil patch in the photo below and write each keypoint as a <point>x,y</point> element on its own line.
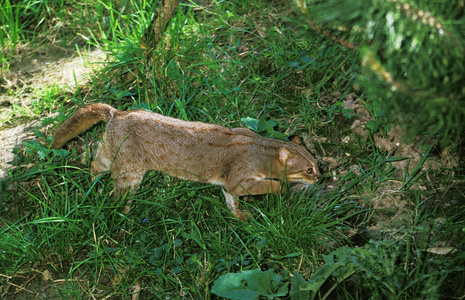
<point>32,70</point>
<point>391,207</point>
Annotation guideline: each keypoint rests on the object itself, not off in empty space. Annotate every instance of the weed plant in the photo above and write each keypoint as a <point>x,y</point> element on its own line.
<point>232,63</point>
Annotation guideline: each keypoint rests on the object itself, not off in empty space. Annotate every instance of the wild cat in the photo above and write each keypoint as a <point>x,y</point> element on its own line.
<point>237,159</point>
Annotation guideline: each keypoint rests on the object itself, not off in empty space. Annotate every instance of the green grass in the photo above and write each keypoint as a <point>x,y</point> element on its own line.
<point>220,64</point>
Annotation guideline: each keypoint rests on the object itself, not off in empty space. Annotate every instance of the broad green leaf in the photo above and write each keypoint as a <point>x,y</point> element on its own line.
<point>250,285</point>
<point>370,125</point>
<point>387,127</point>
<point>251,123</point>
<point>61,152</point>
<point>337,264</point>
<point>296,293</point>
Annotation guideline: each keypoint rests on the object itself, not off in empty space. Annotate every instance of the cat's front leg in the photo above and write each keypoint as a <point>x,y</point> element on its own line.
<point>233,205</point>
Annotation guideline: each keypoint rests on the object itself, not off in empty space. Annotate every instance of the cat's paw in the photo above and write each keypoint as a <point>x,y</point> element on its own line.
<point>242,215</point>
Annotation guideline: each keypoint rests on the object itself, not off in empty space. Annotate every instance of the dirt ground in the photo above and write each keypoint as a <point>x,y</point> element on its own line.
<point>32,70</point>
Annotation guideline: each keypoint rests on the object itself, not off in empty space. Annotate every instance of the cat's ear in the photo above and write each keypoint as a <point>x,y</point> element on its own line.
<point>296,140</point>
<point>283,155</point>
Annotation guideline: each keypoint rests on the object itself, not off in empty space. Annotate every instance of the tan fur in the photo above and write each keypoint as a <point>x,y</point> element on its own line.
<point>239,160</point>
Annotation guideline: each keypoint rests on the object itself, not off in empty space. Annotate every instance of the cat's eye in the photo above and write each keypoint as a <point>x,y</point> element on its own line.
<point>308,171</point>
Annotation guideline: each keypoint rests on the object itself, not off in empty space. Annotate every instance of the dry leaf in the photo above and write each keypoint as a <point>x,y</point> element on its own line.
<point>441,250</point>
<point>136,289</point>
<point>47,275</point>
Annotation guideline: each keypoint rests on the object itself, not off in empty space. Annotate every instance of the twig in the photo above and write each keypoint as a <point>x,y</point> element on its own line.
<point>22,288</point>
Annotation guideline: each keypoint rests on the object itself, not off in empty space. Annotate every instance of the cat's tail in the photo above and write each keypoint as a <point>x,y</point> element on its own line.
<point>81,120</point>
